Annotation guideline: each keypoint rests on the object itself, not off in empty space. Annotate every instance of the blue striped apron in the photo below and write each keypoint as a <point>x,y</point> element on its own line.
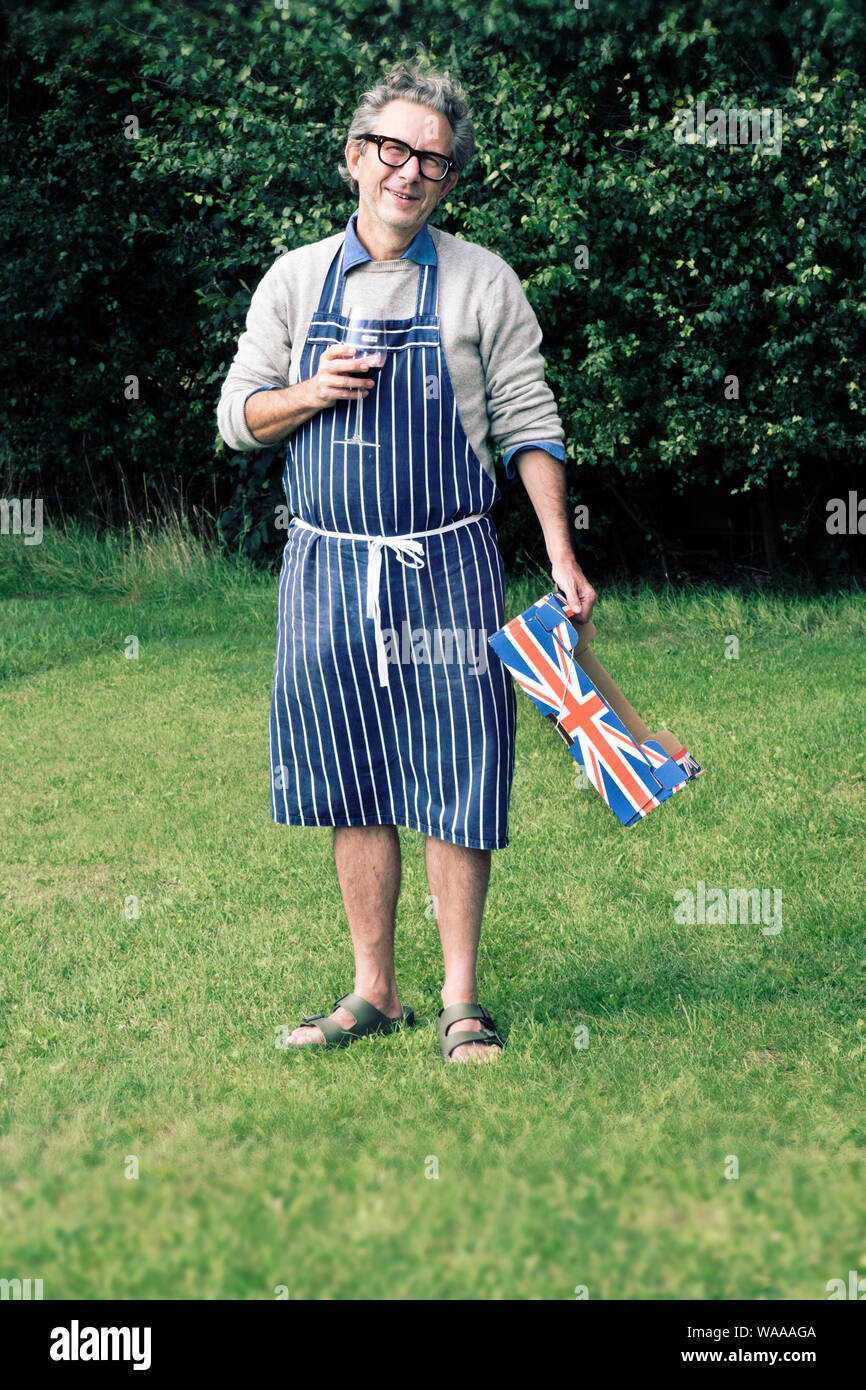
<point>388,706</point>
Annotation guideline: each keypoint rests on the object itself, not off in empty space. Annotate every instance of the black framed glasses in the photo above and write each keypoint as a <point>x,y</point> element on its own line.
<point>396,153</point>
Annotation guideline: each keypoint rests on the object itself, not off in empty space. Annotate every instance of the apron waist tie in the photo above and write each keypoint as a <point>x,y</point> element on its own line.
<point>404,547</point>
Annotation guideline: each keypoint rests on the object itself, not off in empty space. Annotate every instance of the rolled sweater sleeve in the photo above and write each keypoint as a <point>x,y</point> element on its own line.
<point>521,407</point>
<point>262,359</point>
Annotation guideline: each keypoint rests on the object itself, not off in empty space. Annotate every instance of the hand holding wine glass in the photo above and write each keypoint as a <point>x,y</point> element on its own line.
<point>338,377</point>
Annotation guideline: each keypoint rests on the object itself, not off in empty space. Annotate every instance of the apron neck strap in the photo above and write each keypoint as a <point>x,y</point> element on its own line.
<point>428,280</point>
<point>331,298</point>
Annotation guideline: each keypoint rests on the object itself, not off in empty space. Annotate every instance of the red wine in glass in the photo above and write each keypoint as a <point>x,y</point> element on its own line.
<point>368,335</point>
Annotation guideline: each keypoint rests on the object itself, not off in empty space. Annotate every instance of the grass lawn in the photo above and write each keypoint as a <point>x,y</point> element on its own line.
<point>158,930</point>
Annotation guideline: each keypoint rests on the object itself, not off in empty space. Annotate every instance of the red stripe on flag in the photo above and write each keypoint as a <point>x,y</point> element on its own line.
<point>578,715</point>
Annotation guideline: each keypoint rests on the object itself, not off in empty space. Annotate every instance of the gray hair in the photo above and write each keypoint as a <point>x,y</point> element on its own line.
<point>408,82</point>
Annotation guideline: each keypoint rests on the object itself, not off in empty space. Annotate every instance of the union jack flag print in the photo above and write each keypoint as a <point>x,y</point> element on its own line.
<point>632,777</point>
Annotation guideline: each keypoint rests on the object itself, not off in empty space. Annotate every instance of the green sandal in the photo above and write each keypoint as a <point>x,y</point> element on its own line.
<point>445,1017</point>
<point>368,1020</point>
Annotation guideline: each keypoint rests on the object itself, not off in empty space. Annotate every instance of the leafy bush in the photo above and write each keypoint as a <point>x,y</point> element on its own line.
<point>136,243</point>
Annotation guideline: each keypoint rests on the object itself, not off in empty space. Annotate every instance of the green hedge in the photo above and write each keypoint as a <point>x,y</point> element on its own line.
<point>136,257</point>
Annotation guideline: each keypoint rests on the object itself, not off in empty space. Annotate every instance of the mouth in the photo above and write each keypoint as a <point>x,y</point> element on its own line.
<point>404,198</point>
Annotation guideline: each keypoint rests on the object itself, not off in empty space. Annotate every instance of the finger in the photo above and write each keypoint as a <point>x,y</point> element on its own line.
<point>362,365</point>
<point>346,383</point>
<point>587,602</point>
<point>342,380</point>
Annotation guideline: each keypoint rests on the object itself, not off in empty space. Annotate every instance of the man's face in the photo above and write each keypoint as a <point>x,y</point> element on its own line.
<point>401,198</point>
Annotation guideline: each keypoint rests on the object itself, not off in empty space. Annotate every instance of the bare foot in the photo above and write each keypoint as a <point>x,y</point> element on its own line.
<point>311,1033</point>
<point>476,1052</point>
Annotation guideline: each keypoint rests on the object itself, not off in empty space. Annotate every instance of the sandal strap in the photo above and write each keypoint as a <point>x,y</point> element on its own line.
<point>454,1040</point>
<point>455,1011</point>
<point>449,1015</point>
<point>366,1014</point>
<point>368,1019</point>
<point>334,1035</point>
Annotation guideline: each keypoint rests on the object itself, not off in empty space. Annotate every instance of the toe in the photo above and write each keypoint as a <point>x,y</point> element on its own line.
<point>311,1033</point>
<point>308,1034</point>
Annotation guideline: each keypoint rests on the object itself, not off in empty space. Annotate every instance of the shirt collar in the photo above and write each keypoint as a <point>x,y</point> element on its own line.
<point>420,248</point>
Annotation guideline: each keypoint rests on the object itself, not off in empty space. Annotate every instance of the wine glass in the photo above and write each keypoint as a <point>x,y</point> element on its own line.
<point>364,330</point>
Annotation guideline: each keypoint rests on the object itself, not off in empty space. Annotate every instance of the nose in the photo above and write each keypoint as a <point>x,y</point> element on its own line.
<point>407,167</point>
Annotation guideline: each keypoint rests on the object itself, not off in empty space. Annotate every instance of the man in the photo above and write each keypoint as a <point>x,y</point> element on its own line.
<point>392,536</point>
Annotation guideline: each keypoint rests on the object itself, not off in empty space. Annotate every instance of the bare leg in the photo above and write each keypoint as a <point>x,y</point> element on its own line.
<point>367,858</point>
<point>458,879</point>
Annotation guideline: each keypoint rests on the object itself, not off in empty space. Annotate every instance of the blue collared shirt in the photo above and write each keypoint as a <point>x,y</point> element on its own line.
<point>420,248</point>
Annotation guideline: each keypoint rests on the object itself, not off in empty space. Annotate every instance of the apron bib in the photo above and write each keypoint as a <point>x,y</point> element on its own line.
<point>388,705</point>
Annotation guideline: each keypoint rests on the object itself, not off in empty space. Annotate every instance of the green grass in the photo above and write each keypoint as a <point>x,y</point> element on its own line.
<point>153,1036</point>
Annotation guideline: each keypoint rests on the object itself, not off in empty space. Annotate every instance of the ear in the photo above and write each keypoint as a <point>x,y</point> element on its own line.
<point>352,155</point>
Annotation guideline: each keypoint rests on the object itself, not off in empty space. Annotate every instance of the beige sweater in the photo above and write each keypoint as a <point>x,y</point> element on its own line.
<point>490,336</point>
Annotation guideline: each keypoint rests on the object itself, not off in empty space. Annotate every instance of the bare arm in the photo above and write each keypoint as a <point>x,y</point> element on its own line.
<point>544,479</point>
<point>272,415</point>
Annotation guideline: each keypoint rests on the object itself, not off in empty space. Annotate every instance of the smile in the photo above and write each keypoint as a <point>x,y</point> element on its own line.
<point>402,197</point>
